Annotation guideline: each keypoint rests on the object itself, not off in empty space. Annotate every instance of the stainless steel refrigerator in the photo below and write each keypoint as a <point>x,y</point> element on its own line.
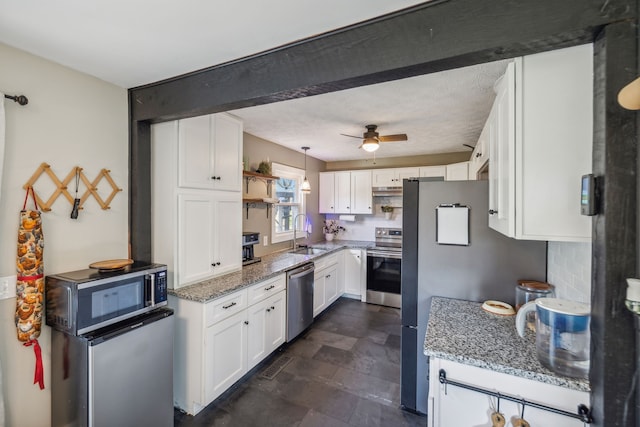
<point>488,267</point>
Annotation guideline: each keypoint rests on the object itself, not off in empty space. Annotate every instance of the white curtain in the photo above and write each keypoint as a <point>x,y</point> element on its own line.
<point>1,152</point>
<point>1,164</point>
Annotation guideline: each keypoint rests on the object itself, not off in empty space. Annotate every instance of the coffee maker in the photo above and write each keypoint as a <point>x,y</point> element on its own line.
<point>249,239</point>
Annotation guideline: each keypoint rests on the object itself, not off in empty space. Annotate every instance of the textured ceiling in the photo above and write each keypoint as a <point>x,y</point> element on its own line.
<point>136,42</point>
<point>439,112</point>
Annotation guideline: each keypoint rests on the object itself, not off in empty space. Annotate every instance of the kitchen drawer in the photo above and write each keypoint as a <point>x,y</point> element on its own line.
<point>325,261</point>
<point>266,288</point>
<point>225,306</point>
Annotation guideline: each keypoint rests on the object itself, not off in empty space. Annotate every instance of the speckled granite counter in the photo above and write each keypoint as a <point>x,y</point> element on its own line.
<point>270,266</point>
<point>461,331</point>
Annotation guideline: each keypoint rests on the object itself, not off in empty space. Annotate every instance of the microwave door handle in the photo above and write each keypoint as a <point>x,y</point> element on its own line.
<point>150,285</point>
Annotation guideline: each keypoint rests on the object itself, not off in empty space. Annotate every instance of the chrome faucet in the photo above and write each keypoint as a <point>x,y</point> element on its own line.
<point>295,222</point>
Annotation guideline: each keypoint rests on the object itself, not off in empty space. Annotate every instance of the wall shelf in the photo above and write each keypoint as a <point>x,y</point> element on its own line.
<point>254,176</point>
<point>251,203</point>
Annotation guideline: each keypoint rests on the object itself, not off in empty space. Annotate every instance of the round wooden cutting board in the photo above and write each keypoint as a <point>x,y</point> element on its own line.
<point>111,264</point>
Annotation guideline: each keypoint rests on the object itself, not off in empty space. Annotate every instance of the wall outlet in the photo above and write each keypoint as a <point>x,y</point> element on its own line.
<point>7,287</point>
<point>265,240</point>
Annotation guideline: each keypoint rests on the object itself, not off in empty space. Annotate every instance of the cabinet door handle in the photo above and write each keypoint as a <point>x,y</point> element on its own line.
<point>327,276</point>
<point>492,212</point>
<point>218,178</point>
<point>273,308</point>
<point>229,306</point>
<point>246,322</point>
<point>218,263</point>
<point>270,287</point>
<point>268,310</point>
<point>478,155</point>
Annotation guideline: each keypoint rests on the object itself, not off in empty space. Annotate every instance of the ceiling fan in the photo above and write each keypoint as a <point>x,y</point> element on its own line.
<point>371,139</point>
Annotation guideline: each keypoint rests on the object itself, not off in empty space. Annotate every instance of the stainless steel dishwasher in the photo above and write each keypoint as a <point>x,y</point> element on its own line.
<point>299,299</point>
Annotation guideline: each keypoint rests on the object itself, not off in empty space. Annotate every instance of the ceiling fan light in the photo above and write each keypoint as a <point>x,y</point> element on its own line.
<point>370,145</point>
<point>305,187</point>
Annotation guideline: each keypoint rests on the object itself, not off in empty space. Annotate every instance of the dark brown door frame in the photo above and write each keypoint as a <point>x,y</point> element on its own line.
<point>432,37</point>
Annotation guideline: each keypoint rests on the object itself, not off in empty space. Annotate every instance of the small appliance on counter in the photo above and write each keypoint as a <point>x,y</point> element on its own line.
<point>562,334</point>
<point>249,238</point>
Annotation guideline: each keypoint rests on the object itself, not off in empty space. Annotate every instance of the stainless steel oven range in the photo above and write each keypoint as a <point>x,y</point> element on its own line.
<point>384,262</point>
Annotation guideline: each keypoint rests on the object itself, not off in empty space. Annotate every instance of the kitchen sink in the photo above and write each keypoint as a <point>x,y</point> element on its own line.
<point>309,251</point>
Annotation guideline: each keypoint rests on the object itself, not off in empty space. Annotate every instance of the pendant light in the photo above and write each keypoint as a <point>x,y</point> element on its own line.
<point>305,187</point>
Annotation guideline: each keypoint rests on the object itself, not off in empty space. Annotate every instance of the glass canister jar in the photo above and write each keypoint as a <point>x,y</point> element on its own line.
<point>529,290</point>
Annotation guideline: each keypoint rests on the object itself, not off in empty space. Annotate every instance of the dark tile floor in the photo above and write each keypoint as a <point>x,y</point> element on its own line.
<point>345,371</point>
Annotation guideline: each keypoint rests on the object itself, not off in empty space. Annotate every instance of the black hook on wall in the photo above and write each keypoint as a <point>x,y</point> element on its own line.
<point>20,99</point>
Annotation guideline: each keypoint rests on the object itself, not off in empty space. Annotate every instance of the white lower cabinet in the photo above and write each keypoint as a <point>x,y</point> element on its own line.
<point>354,272</point>
<point>449,405</point>
<point>225,354</point>
<point>216,343</point>
<point>266,328</point>
<point>326,287</point>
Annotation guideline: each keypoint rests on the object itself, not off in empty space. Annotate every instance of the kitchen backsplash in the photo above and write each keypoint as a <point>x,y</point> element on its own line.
<point>363,228</point>
<point>569,269</point>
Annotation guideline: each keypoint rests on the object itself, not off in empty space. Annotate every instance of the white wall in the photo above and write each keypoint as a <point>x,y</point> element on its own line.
<point>72,119</point>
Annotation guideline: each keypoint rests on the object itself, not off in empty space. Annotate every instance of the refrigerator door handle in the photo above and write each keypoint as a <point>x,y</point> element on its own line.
<point>413,327</point>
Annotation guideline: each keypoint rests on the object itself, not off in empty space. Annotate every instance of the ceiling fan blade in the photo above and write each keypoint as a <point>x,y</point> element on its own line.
<point>393,138</point>
<point>351,136</point>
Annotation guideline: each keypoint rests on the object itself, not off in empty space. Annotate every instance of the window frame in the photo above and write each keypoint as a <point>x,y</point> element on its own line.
<point>288,172</point>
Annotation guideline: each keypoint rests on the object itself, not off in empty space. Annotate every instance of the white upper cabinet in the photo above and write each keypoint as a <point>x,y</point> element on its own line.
<point>326,192</point>
<point>393,177</point>
<point>209,226</point>
<point>346,192</point>
<point>210,152</point>
<point>543,145</point>
<point>501,157</point>
<point>384,178</point>
<point>480,154</point>
<point>343,192</point>
<point>457,172</point>
<point>432,171</point>
<point>361,197</point>
<point>195,231</point>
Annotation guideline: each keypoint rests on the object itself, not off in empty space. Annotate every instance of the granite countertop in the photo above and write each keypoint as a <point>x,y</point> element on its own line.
<point>461,331</point>
<point>270,266</point>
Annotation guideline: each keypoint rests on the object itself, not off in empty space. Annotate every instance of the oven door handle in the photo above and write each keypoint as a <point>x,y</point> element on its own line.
<point>394,255</point>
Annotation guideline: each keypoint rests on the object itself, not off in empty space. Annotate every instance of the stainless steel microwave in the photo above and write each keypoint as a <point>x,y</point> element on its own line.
<point>81,301</point>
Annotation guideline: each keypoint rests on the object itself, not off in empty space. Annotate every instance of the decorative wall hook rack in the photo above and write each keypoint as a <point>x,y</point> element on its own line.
<point>61,187</point>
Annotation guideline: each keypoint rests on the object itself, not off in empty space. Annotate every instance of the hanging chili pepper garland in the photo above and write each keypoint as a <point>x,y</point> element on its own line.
<point>30,282</point>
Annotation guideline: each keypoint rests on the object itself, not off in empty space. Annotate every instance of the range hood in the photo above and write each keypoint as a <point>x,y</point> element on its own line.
<point>386,191</point>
